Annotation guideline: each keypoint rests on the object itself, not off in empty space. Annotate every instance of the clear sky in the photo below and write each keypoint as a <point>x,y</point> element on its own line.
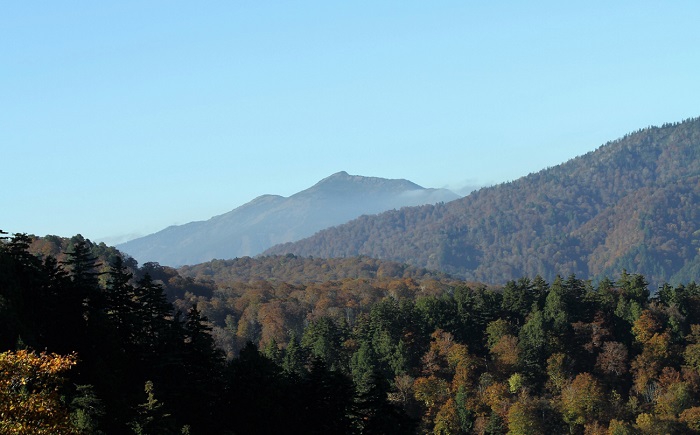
<point>121,118</point>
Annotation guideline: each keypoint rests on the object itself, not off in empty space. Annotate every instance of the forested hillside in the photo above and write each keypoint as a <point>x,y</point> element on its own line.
<point>88,347</point>
<point>298,270</point>
<point>632,203</point>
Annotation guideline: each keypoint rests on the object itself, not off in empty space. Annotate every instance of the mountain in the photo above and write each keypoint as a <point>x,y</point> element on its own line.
<point>270,219</point>
<point>631,204</point>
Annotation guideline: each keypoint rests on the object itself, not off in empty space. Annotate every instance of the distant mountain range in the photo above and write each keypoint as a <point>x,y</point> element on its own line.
<point>270,219</point>
<point>632,204</point>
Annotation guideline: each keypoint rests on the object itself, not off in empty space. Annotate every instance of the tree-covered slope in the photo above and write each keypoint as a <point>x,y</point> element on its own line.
<point>300,270</point>
<point>631,203</point>
<point>271,219</point>
<point>89,351</point>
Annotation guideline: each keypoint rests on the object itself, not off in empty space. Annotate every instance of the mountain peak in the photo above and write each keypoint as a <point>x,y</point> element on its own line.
<point>341,174</point>
<point>344,183</point>
<point>271,219</point>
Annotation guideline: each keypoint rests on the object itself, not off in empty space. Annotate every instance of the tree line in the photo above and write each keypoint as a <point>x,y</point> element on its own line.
<point>105,351</point>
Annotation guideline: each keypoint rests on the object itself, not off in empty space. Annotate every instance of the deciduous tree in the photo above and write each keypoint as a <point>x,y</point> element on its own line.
<point>30,397</point>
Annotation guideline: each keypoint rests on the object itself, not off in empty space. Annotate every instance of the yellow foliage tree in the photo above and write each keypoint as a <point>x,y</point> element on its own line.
<point>527,417</point>
<point>672,395</point>
<point>29,397</point>
<point>582,401</point>
<point>557,375</point>
<point>431,391</point>
<point>618,427</point>
<point>447,419</point>
<point>648,365</point>
<point>448,368</point>
<point>691,418</point>
<point>506,354</point>
<point>645,327</point>
<point>497,397</point>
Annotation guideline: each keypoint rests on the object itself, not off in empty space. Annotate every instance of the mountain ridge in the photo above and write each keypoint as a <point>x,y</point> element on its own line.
<point>269,219</point>
<point>536,224</point>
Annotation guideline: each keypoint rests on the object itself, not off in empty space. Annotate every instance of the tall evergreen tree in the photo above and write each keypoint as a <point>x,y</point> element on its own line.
<point>322,338</point>
<point>293,360</point>
<point>200,386</point>
<point>120,305</point>
<point>152,417</point>
<point>153,312</point>
<point>532,340</point>
<point>83,265</point>
<point>374,414</point>
<point>517,299</point>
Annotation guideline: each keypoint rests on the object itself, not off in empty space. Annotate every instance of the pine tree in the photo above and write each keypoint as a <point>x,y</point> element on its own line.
<point>190,370</point>
<point>532,340</point>
<point>152,417</point>
<point>322,340</point>
<point>120,305</point>
<point>152,312</point>
<point>293,360</point>
<point>373,412</point>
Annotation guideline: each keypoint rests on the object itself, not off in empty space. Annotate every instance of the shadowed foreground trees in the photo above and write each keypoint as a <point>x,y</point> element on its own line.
<point>357,356</point>
<point>119,334</point>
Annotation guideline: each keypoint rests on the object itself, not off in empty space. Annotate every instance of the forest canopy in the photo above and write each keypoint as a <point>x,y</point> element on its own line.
<point>118,348</point>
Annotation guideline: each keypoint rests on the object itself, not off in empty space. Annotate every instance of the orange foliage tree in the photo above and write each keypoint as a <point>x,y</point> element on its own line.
<point>29,393</point>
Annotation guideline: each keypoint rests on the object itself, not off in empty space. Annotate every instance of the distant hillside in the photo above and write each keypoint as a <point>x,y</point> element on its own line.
<point>632,203</point>
<point>270,219</point>
<point>302,270</point>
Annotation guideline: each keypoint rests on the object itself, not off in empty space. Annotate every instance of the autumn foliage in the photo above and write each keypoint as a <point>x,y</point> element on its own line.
<point>147,350</point>
<point>30,393</point>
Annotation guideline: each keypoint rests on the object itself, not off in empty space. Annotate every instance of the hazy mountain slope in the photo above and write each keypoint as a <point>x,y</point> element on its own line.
<point>631,203</point>
<point>270,219</point>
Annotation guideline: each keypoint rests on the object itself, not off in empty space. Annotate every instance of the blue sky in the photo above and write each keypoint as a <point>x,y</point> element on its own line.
<point>122,118</point>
